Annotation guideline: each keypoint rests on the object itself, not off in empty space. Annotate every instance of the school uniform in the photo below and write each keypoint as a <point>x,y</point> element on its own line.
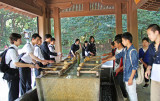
<point>52,49</point>
<point>91,48</point>
<point>11,58</point>
<point>84,52</point>
<point>38,53</point>
<point>74,48</point>
<point>46,52</point>
<point>154,61</point>
<point>144,55</point>
<point>25,72</point>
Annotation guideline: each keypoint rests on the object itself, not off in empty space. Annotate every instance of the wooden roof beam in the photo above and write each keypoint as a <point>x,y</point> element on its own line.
<point>19,5</point>
<point>61,5</point>
<point>141,3</point>
<point>82,1</point>
<point>86,13</point>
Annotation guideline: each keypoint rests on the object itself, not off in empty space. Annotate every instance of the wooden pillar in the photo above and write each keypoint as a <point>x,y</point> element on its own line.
<point>132,23</point>
<point>118,11</point>
<point>57,29</point>
<point>44,26</point>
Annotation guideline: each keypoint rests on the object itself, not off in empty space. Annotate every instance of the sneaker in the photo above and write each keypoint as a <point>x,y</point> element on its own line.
<point>146,85</point>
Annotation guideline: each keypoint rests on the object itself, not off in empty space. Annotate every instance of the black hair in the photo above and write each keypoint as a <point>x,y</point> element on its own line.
<point>118,36</point>
<point>128,36</point>
<point>85,41</point>
<point>145,38</point>
<point>154,27</point>
<point>14,37</point>
<point>77,40</point>
<point>112,43</point>
<point>47,36</point>
<point>91,38</point>
<point>52,39</point>
<point>34,36</point>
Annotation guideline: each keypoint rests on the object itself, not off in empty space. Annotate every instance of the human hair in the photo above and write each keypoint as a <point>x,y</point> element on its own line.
<point>85,41</point>
<point>35,35</point>
<point>14,37</point>
<point>145,38</point>
<point>77,40</point>
<point>112,43</point>
<point>154,27</point>
<point>128,36</point>
<point>47,36</point>
<point>52,39</point>
<point>91,38</point>
<point>118,36</point>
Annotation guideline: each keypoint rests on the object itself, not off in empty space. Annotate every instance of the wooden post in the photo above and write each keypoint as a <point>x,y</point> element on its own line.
<point>57,29</point>
<point>132,23</point>
<point>118,11</point>
<point>44,23</point>
<point>41,24</point>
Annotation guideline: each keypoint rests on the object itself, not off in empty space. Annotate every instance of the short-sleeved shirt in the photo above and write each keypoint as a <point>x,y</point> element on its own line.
<point>27,49</point>
<point>118,62</point>
<point>38,52</point>
<point>12,55</point>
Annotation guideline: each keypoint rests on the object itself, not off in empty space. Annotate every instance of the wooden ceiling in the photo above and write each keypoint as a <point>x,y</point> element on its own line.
<point>74,8</point>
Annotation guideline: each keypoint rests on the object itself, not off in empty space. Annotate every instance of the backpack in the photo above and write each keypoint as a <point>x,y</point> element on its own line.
<point>140,71</point>
<point>9,73</point>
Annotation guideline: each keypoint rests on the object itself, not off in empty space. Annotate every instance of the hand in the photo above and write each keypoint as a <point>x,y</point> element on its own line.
<point>44,62</point>
<point>104,61</point>
<point>130,82</point>
<point>50,61</point>
<point>91,53</point>
<point>145,65</point>
<point>147,73</point>
<point>117,70</point>
<point>37,66</point>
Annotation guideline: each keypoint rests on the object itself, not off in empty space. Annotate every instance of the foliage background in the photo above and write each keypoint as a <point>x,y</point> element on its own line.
<point>101,27</point>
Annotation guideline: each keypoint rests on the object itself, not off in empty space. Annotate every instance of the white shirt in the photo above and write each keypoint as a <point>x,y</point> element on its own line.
<point>38,52</point>
<point>12,54</point>
<point>51,48</point>
<point>28,48</point>
<point>117,52</point>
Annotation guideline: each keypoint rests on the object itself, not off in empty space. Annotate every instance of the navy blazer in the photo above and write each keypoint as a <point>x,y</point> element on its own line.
<point>46,52</point>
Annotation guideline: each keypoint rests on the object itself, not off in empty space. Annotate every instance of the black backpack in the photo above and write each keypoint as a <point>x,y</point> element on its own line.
<point>9,73</point>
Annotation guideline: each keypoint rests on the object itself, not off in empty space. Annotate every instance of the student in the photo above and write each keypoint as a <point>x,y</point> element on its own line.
<point>91,46</point>
<point>75,47</point>
<point>84,49</point>
<point>118,65</point>
<point>144,57</point>
<point>52,49</point>
<point>13,61</point>
<point>28,57</point>
<point>153,32</point>
<point>130,66</point>
<point>44,47</point>
<point>112,53</point>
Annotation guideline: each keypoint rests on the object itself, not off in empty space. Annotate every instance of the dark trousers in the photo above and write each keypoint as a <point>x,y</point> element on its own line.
<point>13,89</point>
<point>25,79</point>
<point>119,78</point>
<point>146,80</point>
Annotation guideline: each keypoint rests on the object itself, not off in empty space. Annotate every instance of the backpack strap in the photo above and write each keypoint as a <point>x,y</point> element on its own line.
<point>130,56</point>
